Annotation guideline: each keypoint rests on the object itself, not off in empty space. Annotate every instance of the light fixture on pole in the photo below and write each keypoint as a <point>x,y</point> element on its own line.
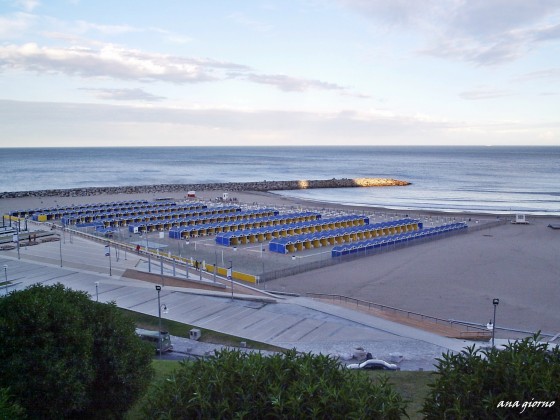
<point>97,291</point>
<point>495,302</point>
<point>16,238</point>
<point>148,251</point>
<point>158,288</point>
<point>230,275</point>
<point>6,276</point>
<point>108,254</point>
<point>60,249</point>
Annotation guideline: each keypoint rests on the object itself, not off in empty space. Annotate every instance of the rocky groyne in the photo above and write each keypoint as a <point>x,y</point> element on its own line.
<point>223,186</point>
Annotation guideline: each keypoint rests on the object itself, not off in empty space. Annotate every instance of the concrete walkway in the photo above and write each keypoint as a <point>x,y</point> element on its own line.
<point>291,322</point>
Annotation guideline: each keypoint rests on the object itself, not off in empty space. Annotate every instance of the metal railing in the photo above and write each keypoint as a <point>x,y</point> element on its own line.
<point>400,312</point>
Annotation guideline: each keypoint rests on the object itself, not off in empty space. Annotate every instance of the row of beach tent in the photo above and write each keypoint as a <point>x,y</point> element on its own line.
<point>296,243</point>
<point>146,208</point>
<point>185,223</point>
<point>115,220</point>
<point>268,232</point>
<point>382,242</point>
<point>128,204</point>
<point>243,224</point>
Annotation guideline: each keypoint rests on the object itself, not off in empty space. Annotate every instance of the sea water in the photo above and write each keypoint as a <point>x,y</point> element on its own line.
<point>453,179</point>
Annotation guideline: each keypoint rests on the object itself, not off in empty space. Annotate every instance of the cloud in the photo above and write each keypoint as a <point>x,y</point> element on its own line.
<point>108,125</point>
<point>52,112</point>
<point>291,84</point>
<point>82,26</point>
<point>485,32</point>
<point>12,26</point>
<point>394,12</point>
<point>489,53</point>
<point>114,62</point>
<point>27,5</point>
<point>484,93</point>
<point>254,25</point>
<point>548,74</point>
<point>488,18</point>
<point>125,94</point>
<point>111,61</point>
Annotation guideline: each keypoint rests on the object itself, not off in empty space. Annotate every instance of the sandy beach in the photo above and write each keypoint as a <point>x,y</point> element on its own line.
<point>455,278</point>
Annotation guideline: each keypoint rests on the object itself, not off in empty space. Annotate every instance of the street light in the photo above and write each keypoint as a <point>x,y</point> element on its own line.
<point>148,251</point>
<point>230,275</point>
<point>16,238</point>
<point>158,288</point>
<point>108,254</point>
<point>495,302</point>
<point>60,249</point>
<point>97,291</point>
<point>6,275</point>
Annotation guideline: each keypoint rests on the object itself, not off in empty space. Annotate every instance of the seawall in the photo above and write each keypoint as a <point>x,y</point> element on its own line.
<point>226,186</point>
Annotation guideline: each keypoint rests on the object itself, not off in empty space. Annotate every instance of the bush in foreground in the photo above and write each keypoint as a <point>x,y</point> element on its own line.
<point>66,356</point>
<point>521,381</point>
<point>235,384</point>
<point>8,408</point>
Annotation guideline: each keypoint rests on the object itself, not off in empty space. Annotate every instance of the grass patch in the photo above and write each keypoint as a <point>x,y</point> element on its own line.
<point>162,370</point>
<point>183,330</point>
<point>412,385</point>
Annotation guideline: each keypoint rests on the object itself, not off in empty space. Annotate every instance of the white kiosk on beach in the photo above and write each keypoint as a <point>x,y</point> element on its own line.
<point>520,220</point>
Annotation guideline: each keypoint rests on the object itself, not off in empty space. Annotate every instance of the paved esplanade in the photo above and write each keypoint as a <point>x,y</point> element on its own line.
<point>299,322</point>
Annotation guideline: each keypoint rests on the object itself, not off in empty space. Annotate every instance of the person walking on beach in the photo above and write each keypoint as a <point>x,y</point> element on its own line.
<point>138,249</point>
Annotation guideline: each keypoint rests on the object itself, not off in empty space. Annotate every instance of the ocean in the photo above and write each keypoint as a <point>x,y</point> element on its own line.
<point>498,180</point>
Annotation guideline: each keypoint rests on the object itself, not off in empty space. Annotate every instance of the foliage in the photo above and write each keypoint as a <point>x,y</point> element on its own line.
<point>236,384</point>
<point>67,356</point>
<point>496,383</point>
<point>8,408</point>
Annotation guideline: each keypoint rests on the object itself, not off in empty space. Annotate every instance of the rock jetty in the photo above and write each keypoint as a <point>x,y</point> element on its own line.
<point>224,186</point>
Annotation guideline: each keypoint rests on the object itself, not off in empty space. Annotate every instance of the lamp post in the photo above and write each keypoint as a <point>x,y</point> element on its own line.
<point>215,264</point>
<point>108,254</point>
<point>148,251</point>
<point>60,249</point>
<point>230,275</point>
<point>495,302</point>
<point>6,276</point>
<point>158,288</point>
<point>97,291</point>
<point>16,236</point>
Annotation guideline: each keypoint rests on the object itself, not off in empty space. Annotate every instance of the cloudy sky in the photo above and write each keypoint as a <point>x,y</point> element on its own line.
<point>290,72</point>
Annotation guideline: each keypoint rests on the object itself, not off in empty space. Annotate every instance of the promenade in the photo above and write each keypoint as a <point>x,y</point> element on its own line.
<point>290,322</point>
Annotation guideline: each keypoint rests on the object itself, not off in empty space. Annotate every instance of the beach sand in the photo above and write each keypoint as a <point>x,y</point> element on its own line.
<point>454,278</point>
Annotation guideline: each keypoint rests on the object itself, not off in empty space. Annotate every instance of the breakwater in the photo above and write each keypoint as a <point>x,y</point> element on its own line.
<point>222,186</point>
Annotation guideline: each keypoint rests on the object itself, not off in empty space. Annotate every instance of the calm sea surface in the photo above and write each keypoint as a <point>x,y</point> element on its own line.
<point>482,179</point>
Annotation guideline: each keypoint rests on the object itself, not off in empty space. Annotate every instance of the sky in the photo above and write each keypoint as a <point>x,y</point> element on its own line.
<point>277,73</point>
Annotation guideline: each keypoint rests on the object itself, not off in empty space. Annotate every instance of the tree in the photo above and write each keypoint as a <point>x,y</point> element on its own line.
<point>236,384</point>
<point>520,381</point>
<point>8,408</point>
<point>67,356</point>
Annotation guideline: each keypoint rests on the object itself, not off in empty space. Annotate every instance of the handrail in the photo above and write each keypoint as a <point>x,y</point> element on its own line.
<point>398,310</point>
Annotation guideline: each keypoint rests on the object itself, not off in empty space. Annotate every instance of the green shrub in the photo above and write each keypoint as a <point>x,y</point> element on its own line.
<point>233,384</point>
<point>66,356</point>
<point>8,408</point>
<point>521,381</point>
